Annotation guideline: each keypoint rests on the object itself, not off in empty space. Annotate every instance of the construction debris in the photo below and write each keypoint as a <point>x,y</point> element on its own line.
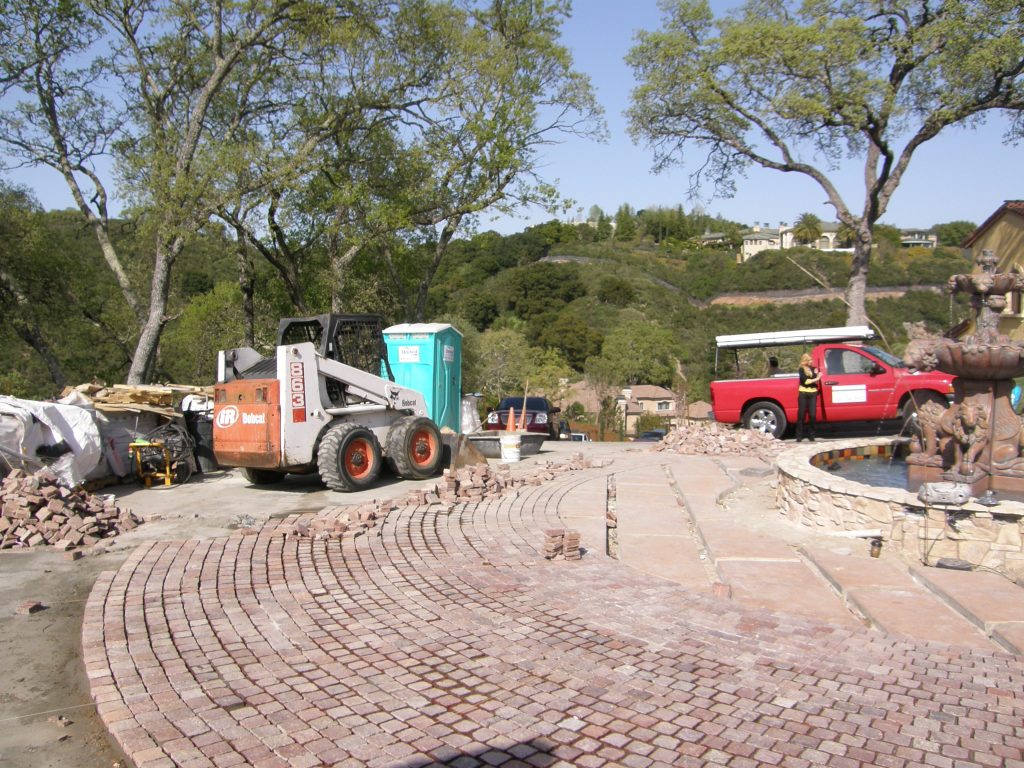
<point>712,438</point>
<point>35,509</point>
<point>28,607</point>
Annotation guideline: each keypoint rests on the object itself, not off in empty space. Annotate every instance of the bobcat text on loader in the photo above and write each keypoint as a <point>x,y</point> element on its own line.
<point>319,406</point>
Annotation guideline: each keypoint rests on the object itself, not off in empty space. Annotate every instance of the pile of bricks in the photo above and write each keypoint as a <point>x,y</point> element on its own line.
<point>710,437</point>
<point>35,510</point>
<point>559,541</point>
<point>467,484</point>
<point>339,522</point>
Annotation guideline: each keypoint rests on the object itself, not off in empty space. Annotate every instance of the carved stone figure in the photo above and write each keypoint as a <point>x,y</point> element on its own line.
<point>929,446</point>
<point>970,432</point>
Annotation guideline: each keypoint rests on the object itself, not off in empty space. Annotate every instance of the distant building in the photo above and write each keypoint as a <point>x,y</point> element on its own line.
<point>649,399</point>
<point>758,238</point>
<point>916,238</point>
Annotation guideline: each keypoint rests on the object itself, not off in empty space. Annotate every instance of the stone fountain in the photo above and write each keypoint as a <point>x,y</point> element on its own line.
<point>977,440</point>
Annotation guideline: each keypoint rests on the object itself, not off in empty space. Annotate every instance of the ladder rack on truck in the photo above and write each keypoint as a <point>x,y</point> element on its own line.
<point>738,341</point>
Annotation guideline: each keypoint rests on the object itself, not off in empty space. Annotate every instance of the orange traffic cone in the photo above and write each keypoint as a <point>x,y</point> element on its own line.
<point>511,421</point>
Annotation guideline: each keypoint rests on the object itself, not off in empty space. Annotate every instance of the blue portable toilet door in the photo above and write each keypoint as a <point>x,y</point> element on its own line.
<point>448,382</point>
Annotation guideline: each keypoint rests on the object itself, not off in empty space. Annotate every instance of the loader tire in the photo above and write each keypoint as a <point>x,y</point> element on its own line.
<point>262,476</point>
<point>414,448</point>
<point>349,458</point>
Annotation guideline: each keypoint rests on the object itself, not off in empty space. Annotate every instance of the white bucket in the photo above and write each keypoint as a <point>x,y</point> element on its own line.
<point>510,447</point>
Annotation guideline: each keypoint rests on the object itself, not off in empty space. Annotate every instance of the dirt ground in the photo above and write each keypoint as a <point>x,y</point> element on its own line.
<point>46,715</point>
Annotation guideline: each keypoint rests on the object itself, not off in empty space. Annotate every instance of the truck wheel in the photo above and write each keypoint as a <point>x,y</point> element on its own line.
<point>349,458</point>
<point>414,448</point>
<point>765,417</point>
<point>262,476</point>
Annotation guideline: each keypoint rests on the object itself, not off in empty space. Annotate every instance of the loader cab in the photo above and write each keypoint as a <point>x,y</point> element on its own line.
<point>356,340</point>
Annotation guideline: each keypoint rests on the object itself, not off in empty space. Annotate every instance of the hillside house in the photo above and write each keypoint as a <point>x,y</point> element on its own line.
<point>759,238</point>
<point>649,399</point>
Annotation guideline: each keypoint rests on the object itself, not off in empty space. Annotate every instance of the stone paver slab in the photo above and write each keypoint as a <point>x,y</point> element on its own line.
<point>989,598</point>
<point>783,586</point>
<point>914,612</point>
<point>675,558</point>
<point>726,541</point>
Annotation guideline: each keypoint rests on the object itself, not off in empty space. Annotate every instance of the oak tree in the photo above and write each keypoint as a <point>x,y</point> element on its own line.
<point>800,86</point>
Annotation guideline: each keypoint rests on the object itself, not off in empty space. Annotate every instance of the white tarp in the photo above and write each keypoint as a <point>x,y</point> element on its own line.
<point>28,425</point>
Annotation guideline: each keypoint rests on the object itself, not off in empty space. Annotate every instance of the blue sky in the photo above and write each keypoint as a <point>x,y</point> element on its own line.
<point>963,174</point>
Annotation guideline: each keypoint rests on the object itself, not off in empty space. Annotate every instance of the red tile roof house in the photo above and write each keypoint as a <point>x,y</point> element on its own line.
<point>647,399</point>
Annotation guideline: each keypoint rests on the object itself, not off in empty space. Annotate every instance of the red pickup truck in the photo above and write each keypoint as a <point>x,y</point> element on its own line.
<point>859,383</point>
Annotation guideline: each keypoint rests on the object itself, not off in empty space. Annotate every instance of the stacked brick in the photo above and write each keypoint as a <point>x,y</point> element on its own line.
<point>36,510</point>
<point>712,438</point>
<point>561,542</point>
<point>553,542</point>
<point>571,545</point>
<point>462,485</point>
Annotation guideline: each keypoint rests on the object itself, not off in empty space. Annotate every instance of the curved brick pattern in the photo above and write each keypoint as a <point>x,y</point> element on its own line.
<point>445,637</point>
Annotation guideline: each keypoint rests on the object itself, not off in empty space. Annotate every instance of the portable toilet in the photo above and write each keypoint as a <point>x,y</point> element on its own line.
<point>427,357</point>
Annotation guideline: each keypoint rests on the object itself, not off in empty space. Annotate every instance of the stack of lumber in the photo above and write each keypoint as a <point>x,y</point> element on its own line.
<point>36,510</point>
<point>152,396</point>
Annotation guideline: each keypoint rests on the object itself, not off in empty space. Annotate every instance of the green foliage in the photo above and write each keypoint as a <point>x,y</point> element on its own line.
<point>615,291</point>
<point>543,287</point>
<point>212,321</point>
<point>572,337</point>
<point>637,351</point>
<point>953,233</point>
<point>625,223</point>
<point>807,228</point>
<point>884,233</point>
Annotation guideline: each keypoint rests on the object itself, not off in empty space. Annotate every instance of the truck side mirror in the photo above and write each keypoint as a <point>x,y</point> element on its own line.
<point>876,368</point>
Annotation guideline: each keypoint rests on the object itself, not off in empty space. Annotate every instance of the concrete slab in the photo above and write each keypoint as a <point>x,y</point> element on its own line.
<point>987,600</point>
<point>914,612</point>
<point>846,570</point>
<point>725,540</point>
<point>675,558</point>
<point>788,587</point>
<point>1010,637</point>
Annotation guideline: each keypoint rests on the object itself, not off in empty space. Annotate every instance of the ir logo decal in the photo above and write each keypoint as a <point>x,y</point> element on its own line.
<point>227,417</point>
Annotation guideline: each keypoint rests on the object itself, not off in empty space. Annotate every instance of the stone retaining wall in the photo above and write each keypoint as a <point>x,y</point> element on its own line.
<point>813,497</point>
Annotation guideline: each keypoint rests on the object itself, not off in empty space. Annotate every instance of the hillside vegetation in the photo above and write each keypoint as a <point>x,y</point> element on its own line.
<point>537,309</point>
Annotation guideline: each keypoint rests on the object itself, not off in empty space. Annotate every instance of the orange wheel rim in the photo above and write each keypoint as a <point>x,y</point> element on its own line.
<point>423,447</point>
<point>358,458</point>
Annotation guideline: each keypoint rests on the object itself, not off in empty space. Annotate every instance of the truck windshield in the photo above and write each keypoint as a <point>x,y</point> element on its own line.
<point>885,357</point>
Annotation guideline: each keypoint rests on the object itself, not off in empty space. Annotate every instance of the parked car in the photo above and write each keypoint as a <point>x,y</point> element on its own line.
<point>651,436</point>
<point>539,415</point>
<point>580,437</point>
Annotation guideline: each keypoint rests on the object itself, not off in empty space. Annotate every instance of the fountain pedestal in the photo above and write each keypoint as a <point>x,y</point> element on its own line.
<point>977,440</point>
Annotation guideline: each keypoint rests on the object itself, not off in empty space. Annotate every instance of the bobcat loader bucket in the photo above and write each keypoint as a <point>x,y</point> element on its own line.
<point>463,452</point>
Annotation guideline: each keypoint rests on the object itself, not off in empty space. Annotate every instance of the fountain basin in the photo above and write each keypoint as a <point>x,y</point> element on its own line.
<point>812,497</point>
<point>979,360</point>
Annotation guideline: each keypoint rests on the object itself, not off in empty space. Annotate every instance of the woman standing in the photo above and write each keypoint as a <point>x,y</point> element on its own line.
<point>807,400</point>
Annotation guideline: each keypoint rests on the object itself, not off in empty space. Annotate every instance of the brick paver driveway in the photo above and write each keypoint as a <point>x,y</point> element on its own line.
<point>446,638</point>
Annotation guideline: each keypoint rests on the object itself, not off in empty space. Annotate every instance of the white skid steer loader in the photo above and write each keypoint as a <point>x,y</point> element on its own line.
<point>319,405</point>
